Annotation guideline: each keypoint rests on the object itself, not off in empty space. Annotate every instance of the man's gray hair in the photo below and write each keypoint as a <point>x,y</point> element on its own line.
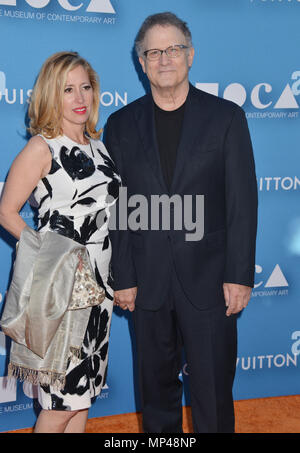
<point>162,19</point>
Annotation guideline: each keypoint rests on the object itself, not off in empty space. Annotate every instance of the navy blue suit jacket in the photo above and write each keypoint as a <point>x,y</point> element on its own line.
<point>214,159</point>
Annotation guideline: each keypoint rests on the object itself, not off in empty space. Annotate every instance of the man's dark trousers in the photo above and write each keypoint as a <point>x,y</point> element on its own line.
<point>209,341</point>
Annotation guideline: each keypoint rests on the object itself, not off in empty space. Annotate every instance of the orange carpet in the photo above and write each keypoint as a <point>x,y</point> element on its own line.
<point>264,415</point>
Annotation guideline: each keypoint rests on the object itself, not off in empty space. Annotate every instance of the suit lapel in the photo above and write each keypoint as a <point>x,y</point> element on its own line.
<point>192,125</point>
<point>145,120</point>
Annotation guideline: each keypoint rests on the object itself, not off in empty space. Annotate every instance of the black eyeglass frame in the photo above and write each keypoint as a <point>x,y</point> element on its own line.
<point>177,46</point>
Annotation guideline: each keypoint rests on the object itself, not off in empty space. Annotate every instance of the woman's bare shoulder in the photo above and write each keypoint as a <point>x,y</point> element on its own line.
<point>37,143</point>
<point>36,147</point>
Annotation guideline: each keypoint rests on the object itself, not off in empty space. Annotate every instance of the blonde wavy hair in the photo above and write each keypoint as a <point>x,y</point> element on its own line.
<point>45,109</point>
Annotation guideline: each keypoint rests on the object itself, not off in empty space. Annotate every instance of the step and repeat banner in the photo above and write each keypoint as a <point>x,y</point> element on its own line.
<point>246,51</point>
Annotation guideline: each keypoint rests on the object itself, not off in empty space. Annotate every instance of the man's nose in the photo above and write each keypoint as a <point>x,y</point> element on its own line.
<point>164,59</point>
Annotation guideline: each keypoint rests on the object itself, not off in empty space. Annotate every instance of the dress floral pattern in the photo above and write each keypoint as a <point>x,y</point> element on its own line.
<point>73,200</point>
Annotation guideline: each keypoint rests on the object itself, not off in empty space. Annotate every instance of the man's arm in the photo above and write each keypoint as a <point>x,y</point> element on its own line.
<point>241,214</point>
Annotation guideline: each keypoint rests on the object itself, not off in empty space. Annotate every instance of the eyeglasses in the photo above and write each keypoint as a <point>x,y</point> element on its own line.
<point>171,52</point>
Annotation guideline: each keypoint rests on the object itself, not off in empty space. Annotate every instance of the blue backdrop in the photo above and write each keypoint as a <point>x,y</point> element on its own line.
<point>246,51</point>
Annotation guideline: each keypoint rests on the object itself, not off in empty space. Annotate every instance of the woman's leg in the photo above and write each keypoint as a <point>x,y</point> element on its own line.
<point>77,423</point>
<point>51,421</point>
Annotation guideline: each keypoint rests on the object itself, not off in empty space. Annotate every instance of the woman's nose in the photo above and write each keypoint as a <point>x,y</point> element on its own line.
<point>79,96</point>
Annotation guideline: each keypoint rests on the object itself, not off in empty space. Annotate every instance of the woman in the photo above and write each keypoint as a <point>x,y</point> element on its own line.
<point>73,181</point>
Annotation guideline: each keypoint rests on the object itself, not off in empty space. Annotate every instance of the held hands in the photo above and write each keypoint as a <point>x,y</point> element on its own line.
<point>125,298</point>
<point>236,297</point>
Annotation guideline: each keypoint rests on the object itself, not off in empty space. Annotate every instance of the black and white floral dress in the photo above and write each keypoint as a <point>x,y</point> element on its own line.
<point>74,200</point>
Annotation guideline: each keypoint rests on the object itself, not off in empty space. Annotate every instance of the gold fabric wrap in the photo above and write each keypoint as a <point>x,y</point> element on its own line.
<point>48,306</point>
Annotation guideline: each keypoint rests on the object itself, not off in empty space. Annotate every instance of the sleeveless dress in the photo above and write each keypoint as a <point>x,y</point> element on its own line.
<point>73,200</point>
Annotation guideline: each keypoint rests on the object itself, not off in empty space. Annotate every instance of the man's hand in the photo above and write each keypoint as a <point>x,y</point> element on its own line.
<point>125,298</point>
<point>236,297</point>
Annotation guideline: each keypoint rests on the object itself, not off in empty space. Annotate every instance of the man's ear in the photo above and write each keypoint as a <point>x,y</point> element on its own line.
<point>191,56</point>
<point>142,61</point>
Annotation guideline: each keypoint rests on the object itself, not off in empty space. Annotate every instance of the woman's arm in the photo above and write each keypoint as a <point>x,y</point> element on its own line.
<point>32,164</point>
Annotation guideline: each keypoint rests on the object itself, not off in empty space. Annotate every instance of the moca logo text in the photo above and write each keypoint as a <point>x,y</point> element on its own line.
<point>260,95</point>
<point>276,284</point>
<point>94,6</point>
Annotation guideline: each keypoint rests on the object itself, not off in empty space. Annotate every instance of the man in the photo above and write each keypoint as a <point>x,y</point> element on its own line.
<point>184,294</point>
